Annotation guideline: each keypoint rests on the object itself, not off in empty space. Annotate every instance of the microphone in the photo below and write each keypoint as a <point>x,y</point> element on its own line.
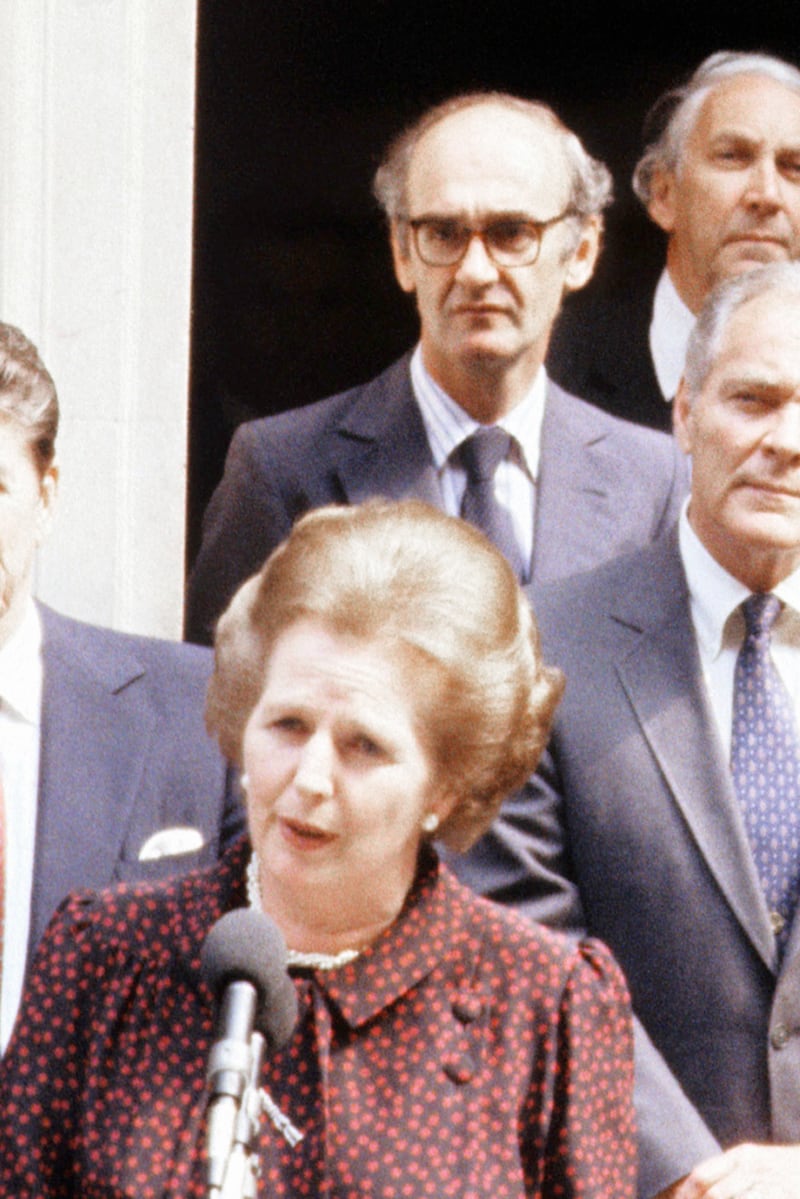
<point>243,961</point>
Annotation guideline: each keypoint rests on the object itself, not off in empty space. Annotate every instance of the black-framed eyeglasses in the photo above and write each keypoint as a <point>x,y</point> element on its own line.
<point>509,241</point>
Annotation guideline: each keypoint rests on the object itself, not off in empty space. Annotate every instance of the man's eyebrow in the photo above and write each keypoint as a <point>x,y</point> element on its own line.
<point>461,218</point>
<point>745,137</point>
<point>765,385</point>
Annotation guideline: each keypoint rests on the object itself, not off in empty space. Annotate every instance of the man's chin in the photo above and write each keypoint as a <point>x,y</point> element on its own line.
<point>490,348</point>
<point>764,530</point>
<point>740,257</point>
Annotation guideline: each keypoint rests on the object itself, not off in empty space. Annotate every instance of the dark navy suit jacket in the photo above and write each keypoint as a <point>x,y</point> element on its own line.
<point>604,486</point>
<point>124,753</point>
<point>601,349</point>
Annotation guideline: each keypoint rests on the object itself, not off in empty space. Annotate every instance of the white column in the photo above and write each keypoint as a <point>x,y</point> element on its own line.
<point>96,159</point>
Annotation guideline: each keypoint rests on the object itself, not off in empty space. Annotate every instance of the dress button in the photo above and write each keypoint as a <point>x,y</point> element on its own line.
<point>459,1067</point>
<point>467,1008</point>
<point>779,1036</point>
<point>777,923</point>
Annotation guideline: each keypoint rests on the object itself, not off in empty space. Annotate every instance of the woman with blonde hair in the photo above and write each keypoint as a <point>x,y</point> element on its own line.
<point>381,685</point>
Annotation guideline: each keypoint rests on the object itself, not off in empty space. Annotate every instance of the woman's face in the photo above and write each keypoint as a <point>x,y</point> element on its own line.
<point>339,781</point>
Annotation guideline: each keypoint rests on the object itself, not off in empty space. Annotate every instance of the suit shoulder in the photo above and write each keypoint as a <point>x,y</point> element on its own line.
<point>592,592</point>
<point>100,649</point>
<point>606,424</point>
<point>311,420</point>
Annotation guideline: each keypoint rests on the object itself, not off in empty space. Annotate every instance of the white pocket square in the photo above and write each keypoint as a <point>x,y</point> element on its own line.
<point>168,842</point>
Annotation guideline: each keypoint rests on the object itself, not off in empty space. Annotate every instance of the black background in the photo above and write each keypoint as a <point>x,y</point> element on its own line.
<point>293,293</point>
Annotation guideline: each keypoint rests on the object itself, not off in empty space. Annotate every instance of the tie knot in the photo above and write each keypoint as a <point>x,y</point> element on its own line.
<point>483,450</point>
<point>760,613</point>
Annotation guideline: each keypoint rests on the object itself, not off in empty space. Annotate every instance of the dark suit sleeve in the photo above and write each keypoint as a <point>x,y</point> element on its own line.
<point>245,519</point>
<point>524,861</point>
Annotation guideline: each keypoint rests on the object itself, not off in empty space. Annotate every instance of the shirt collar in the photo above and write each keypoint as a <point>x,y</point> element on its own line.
<point>448,425</point>
<point>670,330</point>
<point>21,667</point>
<point>714,593</point>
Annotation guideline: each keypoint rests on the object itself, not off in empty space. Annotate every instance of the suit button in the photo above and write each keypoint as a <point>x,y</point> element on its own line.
<point>777,923</point>
<point>779,1036</point>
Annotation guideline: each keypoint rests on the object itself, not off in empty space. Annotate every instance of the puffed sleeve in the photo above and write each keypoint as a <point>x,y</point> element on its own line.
<point>41,1074</point>
<point>591,1149</point>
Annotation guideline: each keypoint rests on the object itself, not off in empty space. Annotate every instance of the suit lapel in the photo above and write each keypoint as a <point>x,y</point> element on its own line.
<point>94,744</point>
<point>575,477</point>
<point>380,447</point>
<point>662,678</point>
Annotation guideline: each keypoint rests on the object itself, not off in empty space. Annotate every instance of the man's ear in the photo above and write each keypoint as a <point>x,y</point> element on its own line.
<point>682,418</point>
<point>401,257</point>
<point>661,206</point>
<point>584,256</point>
<point>47,502</point>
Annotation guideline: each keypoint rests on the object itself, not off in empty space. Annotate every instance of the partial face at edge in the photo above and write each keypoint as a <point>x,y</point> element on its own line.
<point>734,201</point>
<point>26,505</point>
<point>743,432</point>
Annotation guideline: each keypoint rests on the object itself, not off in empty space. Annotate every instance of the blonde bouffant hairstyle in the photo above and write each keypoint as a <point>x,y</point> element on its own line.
<point>406,577</point>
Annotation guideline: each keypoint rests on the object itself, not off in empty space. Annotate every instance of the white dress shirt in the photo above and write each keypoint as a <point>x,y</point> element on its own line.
<point>715,597</point>
<point>670,330</point>
<point>20,721</point>
<point>447,426</point>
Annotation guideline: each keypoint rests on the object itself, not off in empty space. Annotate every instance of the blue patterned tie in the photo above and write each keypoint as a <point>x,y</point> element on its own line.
<point>765,764</point>
<point>480,455</point>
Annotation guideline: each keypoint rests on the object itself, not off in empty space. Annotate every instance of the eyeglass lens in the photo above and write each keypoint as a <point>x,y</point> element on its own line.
<point>508,243</point>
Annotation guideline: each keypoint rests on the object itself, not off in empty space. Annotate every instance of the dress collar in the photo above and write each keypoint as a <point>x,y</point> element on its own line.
<point>419,939</point>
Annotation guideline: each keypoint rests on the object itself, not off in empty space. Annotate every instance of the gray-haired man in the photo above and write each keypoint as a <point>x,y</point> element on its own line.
<point>721,177</point>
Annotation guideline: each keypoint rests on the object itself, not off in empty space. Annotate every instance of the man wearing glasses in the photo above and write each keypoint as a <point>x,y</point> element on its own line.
<point>495,213</point>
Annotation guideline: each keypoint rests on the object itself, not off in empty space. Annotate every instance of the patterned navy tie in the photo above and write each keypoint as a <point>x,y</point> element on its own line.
<point>480,455</point>
<point>765,763</point>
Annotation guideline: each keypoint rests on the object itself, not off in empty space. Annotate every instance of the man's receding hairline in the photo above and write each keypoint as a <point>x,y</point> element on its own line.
<point>543,116</point>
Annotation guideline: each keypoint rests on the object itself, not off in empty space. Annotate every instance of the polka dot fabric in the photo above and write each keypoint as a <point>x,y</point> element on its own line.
<point>466,1054</point>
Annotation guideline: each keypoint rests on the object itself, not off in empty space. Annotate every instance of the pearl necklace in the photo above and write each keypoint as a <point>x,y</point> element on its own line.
<point>294,957</point>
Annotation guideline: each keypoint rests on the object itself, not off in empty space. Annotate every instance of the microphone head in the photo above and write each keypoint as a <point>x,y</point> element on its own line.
<point>245,945</point>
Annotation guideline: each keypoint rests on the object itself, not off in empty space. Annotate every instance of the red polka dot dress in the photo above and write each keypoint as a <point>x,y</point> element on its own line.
<point>466,1053</point>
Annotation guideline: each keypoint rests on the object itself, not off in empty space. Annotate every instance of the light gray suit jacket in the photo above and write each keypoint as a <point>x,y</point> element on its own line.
<point>631,831</point>
<point>605,485</point>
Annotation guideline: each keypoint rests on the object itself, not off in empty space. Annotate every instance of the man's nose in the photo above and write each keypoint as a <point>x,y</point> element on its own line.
<point>783,436</point>
<point>764,182</point>
<point>314,774</point>
<point>477,264</point>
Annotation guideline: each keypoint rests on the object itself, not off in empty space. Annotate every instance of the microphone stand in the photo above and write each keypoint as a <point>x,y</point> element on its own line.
<point>241,1171</point>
